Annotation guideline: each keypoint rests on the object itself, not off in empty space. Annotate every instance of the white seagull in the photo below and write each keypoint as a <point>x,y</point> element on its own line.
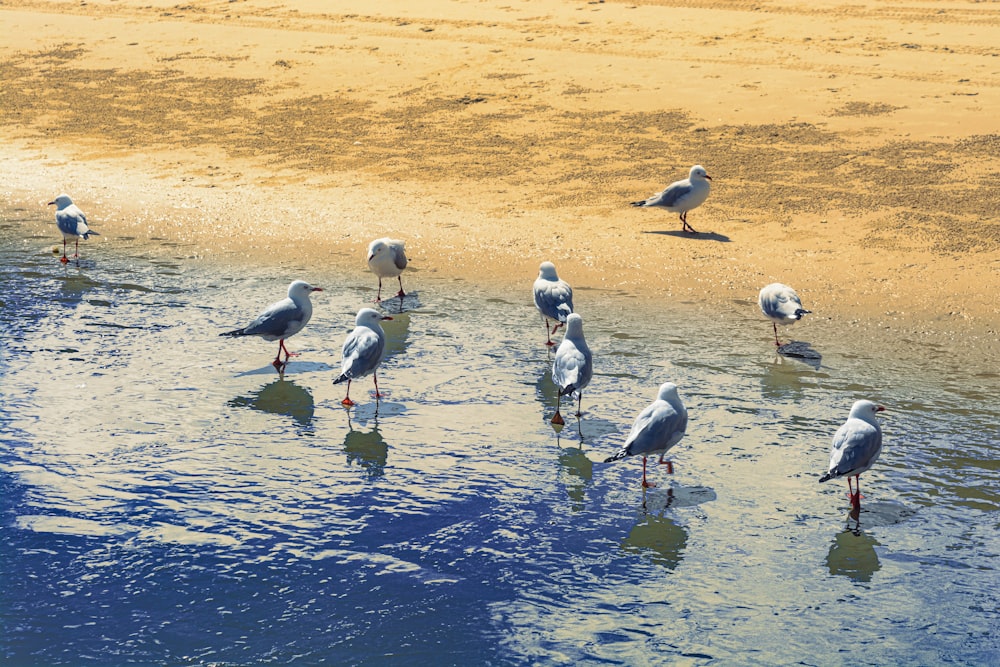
<point>781,305</point>
<point>363,350</point>
<point>72,222</point>
<point>660,426</point>
<point>282,319</point>
<point>856,446</point>
<point>553,298</point>
<point>682,196</point>
<point>573,365</point>
<point>387,259</point>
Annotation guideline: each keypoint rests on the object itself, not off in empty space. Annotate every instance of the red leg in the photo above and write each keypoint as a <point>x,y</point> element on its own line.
<point>645,484</point>
<point>557,418</point>
<point>347,399</point>
<point>669,464</point>
<point>548,337</point>
<point>775,325</point>
<point>377,394</point>
<point>65,259</point>
<point>555,328</point>
<point>378,297</point>
<point>401,292</point>
<point>76,253</point>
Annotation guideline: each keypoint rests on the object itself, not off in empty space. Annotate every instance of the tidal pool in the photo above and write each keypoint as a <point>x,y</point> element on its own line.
<point>169,499</point>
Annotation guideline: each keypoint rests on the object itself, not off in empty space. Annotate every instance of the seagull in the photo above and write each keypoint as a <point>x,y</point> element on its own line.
<point>781,305</point>
<point>660,426</point>
<point>553,298</point>
<point>856,446</point>
<point>573,365</point>
<point>281,320</point>
<point>682,196</point>
<point>387,259</point>
<point>72,222</point>
<point>363,350</point>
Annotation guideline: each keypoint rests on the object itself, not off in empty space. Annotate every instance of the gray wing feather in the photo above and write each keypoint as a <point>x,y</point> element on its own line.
<point>362,352</point>
<point>276,321</point>
<point>554,299</point>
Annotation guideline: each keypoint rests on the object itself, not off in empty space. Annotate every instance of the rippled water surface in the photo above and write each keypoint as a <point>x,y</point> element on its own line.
<point>169,499</point>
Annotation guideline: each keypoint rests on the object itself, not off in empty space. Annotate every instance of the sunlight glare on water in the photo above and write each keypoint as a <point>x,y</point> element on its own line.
<point>169,499</point>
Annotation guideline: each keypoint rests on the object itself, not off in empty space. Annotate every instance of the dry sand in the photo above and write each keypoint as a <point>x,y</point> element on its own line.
<point>855,148</point>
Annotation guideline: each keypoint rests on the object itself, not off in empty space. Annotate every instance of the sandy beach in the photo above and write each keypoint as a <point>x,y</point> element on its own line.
<point>854,149</point>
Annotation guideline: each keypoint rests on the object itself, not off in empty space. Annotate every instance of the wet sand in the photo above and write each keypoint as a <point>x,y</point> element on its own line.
<point>854,150</point>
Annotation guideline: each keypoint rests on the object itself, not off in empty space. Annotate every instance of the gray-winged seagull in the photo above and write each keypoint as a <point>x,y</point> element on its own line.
<point>553,298</point>
<point>682,196</point>
<point>363,350</point>
<point>856,446</point>
<point>781,305</point>
<point>72,222</point>
<point>573,365</point>
<point>660,426</point>
<point>387,259</point>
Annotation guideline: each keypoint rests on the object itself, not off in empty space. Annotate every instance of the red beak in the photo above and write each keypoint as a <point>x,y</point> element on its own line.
<point>386,317</point>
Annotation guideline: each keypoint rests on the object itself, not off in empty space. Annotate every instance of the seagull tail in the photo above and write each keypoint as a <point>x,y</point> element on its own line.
<point>343,378</point>
<point>237,332</point>
<point>567,390</point>
<point>828,476</point>
<point>639,203</point>
<point>799,312</point>
<point>89,233</point>
<point>622,453</point>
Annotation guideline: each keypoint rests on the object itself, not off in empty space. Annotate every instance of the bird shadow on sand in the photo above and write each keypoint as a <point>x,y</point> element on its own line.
<point>801,351</point>
<point>291,368</point>
<point>698,236</point>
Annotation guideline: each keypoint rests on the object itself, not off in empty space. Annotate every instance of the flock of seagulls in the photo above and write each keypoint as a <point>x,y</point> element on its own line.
<point>659,427</point>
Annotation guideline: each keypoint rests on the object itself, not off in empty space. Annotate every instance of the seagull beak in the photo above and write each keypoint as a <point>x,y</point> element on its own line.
<point>386,317</point>
<point>317,289</point>
<point>50,203</point>
<point>371,256</point>
<point>879,408</point>
<point>708,177</point>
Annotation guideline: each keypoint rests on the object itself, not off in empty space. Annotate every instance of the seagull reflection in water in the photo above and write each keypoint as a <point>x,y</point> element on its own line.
<point>656,536</point>
<point>367,449</point>
<point>281,397</point>
<point>852,553</point>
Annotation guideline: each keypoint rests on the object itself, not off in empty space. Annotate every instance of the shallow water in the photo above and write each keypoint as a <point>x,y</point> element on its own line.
<point>169,499</point>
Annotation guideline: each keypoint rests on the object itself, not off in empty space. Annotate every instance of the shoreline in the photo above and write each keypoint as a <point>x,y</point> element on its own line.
<point>488,149</point>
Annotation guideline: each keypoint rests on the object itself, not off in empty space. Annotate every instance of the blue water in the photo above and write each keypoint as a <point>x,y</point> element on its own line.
<point>168,499</point>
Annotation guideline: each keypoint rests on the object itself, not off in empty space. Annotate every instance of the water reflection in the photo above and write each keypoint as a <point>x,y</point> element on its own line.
<point>367,449</point>
<point>74,286</point>
<point>801,351</point>
<point>281,397</point>
<point>576,472</point>
<point>659,538</point>
<point>852,554</point>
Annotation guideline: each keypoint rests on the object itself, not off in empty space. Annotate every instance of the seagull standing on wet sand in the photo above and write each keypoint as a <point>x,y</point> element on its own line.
<point>682,196</point>
<point>781,305</point>
<point>387,259</point>
<point>573,365</point>
<point>553,298</point>
<point>660,426</point>
<point>363,350</point>
<point>72,222</point>
<point>856,446</point>
<point>282,319</point>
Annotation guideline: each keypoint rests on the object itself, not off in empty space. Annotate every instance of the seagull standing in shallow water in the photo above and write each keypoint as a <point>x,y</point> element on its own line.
<point>682,196</point>
<point>856,446</point>
<point>72,222</point>
<point>573,365</point>
<point>387,259</point>
<point>282,319</point>
<point>781,305</point>
<point>553,298</point>
<point>363,350</point>
<point>660,426</point>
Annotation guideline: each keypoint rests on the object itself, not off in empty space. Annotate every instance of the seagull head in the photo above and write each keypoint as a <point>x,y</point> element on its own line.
<point>369,317</point>
<point>866,410</point>
<point>377,247</point>
<point>698,172</point>
<point>301,288</point>
<point>547,271</point>
<point>668,390</point>
<point>61,202</point>
<point>574,326</point>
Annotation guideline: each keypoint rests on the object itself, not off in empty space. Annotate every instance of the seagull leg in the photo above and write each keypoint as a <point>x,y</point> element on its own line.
<point>278,364</point>
<point>65,259</point>
<point>378,297</point>
<point>579,403</point>
<point>76,253</point>
<point>776,343</point>
<point>645,483</point>
<point>401,292</point>
<point>687,228</point>
<point>557,326</point>
<point>669,464</point>
<point>377,394</point>
<point>548,337</point>
<point>347,399</point>
<point>558,418</point>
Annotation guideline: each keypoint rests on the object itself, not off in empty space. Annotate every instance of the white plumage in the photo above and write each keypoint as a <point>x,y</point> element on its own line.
<point>660,426</point>
<point>682,196</point>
